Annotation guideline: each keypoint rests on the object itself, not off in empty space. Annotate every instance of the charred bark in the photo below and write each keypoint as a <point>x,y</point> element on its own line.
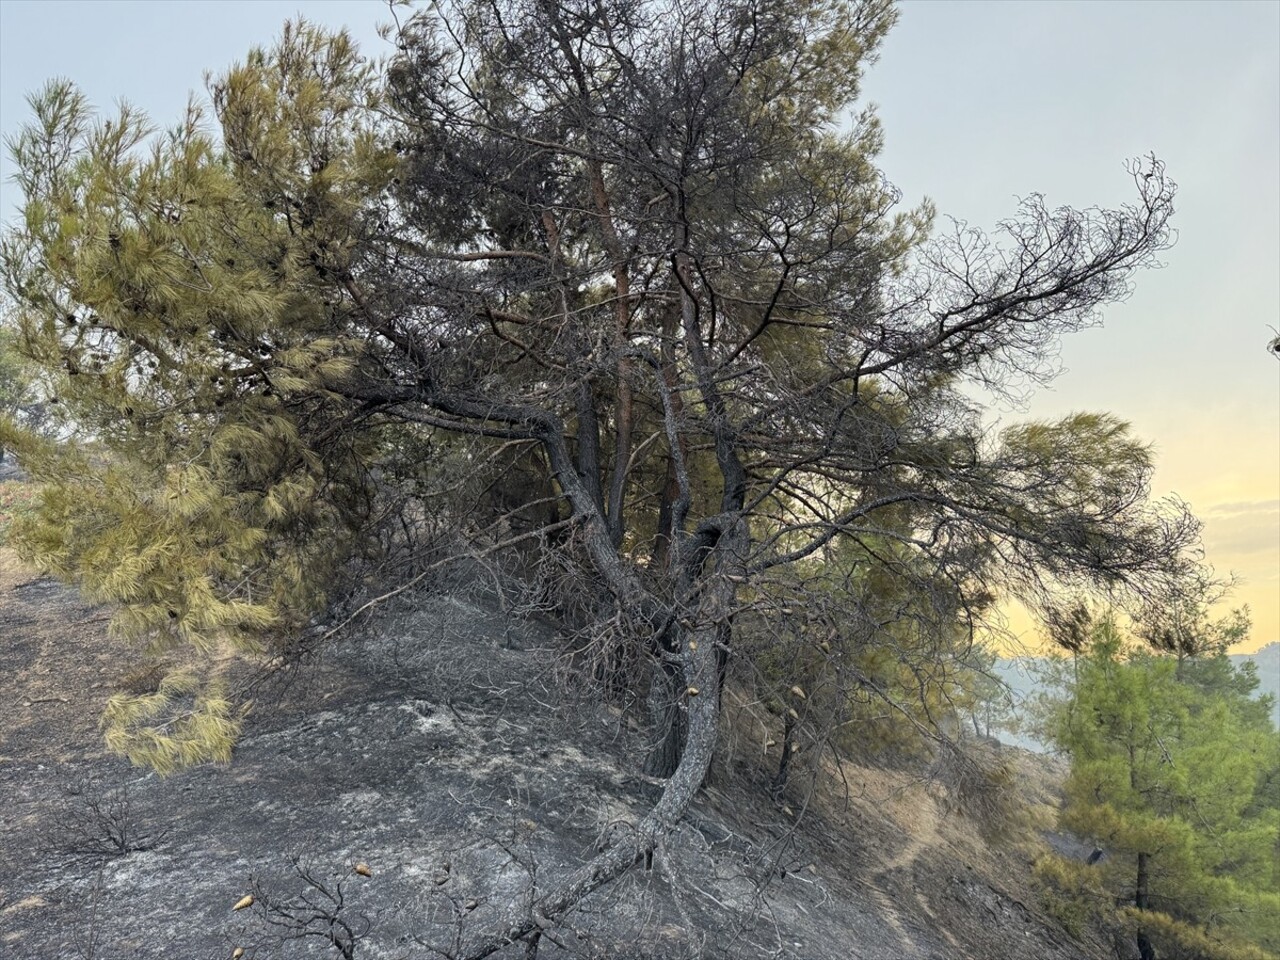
<point>779,784</point>
<point>589,444</point>
<point>676,482</point>
<point>666,720</point>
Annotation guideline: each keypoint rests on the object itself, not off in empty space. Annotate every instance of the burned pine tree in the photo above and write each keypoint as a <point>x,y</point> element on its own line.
<point>640,250</point>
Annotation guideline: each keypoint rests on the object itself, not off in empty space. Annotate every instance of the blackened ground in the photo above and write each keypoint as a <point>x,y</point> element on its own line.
<point>444,747</point>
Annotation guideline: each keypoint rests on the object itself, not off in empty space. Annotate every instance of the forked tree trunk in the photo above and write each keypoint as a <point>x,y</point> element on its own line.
<point>720,543</point>
<point>700,671</point>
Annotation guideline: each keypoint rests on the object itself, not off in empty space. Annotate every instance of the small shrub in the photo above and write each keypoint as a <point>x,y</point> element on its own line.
<point>95,823</point>
<point>321,911</point>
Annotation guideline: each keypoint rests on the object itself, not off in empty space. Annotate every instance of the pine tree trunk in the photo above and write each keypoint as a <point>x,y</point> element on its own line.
<point>666,722</point>
<point>621,456</point>
<point>1141,899</point>
<point>589,444</point>
<point>661,554</point>
<point>784,765</point>
<point>674,486</point>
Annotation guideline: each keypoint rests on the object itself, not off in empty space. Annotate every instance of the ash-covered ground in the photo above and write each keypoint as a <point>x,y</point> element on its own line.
<point>444,746</point>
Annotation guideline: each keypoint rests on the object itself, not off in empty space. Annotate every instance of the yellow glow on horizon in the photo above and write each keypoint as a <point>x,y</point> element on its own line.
<point>1226,465</point>
<point>1227,471</point>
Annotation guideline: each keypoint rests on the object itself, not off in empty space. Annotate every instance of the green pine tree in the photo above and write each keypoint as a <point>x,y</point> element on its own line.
<point>186,306</point>
<point>1173,775</point>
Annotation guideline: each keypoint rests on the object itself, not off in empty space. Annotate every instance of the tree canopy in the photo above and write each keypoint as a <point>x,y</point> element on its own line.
<point>620,280</point>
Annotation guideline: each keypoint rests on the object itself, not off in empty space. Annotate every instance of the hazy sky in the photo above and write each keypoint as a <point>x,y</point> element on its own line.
<point>982,102</point>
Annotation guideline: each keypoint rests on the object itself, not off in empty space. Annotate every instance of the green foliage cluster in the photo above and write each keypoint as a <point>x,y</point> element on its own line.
<point>1072,892</point>
<point>1174,773</point>
<point>21,398</point>
<point>1180,940</point>
<point>173,300</point>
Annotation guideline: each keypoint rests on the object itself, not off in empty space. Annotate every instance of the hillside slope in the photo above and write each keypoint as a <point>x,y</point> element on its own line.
<point>442,748</point>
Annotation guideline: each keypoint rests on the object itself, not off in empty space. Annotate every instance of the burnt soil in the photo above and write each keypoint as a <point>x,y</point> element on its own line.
<point>444,746</point>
